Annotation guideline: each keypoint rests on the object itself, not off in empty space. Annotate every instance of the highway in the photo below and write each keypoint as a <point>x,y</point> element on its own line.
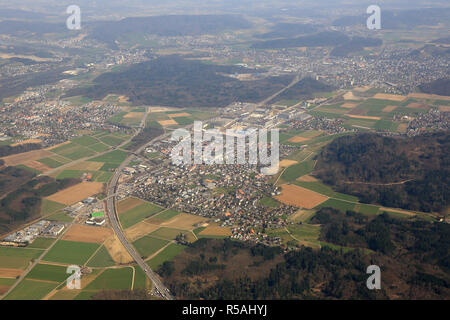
<point>112,210</point>
<point>115,224</point>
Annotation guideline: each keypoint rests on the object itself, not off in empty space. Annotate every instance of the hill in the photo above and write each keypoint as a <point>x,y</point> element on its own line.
<point>232,270</point>
<point>285,30</point>
<point>174,81</point>
<point>167,26</point>
<point>304,89</point>
<point>400,19</point>
<point>410,173</point>
<point>440,87</point>
<point>321,39</point>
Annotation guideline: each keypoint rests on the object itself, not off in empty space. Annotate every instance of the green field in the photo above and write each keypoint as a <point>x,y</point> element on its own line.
<point>138,214</point>
<point>167,254</point>
<point>20,252</point>
<point>306,233</point>
<point>111,140</point>
<point>41,243</point>
<point>69,252</point>
<point>166,233</point>
<point>269,202</point>
<point>104,177</point>
<point>112,279</point>
<point>367,209</point>
<point>297,170</point>
<point>146,246</point>
<point>48,272</point>
<point>51,163</point>
<point>164,216</point>
<point>99,147</point>
<point>85,141</point>
<point>321,188</point>
<point>140,278</point>
<point>116,156</point>
<point>337,204</point>
<point>31,290</point>
<point>61,217</point>
<point>32,170</point>
<point>101,259</point>
<point>49,207</point>
<point>73,174</point>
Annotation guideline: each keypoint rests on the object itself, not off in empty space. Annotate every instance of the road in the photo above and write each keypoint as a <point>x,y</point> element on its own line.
<point>112,210</point>
<point>115,224</point>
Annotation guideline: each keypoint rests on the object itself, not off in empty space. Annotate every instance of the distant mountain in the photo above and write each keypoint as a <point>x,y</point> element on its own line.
<point>355,45</point>
<point>440,87</point>
<point>286,30</point>
<point>430,50</point>
<point>169,26</point>
<point>400,19</point>
<point>174,81</point>
<point>321,39</point>
<point>304,89</point>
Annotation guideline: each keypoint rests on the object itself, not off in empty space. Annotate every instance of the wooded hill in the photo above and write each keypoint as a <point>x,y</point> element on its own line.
<point>410,173</point>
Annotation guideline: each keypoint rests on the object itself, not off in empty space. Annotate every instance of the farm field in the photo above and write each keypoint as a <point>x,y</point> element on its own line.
<point>69,252</point>
<point>147,246</point>
<point>184,221</point>
<point>295,171</point>
<point>166,233</point>
<point>139,230</point>
<point>300,197</point>
<point>77,193</point>
<point>305,234</point>
<point>48,272</point>
<point>84,233</point>
<point>48,207</point>
<point>338,204</point>
<point>41,243</point>
<point>167,254</point>
<point>128,204</point>
<point>101,259</point>
<point>215,232</point>
<point>113,279</point>
<point>31,290</point>
<point>163,216</point>
<point>117,251</point>
<point>138,214</point>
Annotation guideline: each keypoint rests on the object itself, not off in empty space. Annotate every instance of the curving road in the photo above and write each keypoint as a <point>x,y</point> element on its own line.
<point>115,224</point>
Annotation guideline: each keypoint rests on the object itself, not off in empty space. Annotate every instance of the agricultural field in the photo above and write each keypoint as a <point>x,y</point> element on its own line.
<point>147,246</point>
<point>295,171</point>
<point>70,252</point>
<point>300,197</point>
<point>31,290</point>
<point>138,214</point>
<point>48,272</point>
<point>84,233</point>
<point>167,254</point>
<point>305,234</point>
<point>77,193</point>
<point>214,232</point>
<point>163,216</point>
<point>113,279</point>
<point>101,259</point>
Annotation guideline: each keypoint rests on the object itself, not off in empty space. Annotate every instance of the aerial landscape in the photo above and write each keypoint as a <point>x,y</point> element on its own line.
<point>224,150</point>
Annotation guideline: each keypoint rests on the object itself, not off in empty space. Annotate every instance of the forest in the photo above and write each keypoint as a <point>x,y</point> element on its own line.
<point>174,81</point>
<point>399,172</point>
